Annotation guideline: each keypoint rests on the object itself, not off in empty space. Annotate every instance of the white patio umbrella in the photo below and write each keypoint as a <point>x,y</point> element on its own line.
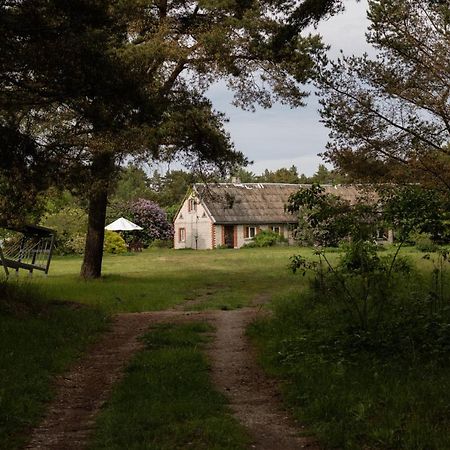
<point>122,224</point>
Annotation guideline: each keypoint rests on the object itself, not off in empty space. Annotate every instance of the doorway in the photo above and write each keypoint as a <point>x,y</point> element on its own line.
<point>228,236</point>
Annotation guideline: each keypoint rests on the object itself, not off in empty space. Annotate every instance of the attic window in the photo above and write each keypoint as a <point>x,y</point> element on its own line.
<point>180,216</point>
<point>192,205</point>
<point>203,215</point>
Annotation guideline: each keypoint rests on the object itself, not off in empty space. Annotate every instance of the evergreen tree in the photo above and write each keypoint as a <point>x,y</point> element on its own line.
<point>389,116</point>
<point>92,83</point>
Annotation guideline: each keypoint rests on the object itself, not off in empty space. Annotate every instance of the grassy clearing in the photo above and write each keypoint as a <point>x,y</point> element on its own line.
<point>38,340</point>
<point>160,278</point>
<point>387,388</point>
<point>166,401</point>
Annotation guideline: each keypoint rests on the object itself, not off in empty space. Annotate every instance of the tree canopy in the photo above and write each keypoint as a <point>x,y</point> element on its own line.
<point>389,115</point>
<point>91,83</point>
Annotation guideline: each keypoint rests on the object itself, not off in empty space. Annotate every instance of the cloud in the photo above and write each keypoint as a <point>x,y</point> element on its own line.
<point>281,136</point>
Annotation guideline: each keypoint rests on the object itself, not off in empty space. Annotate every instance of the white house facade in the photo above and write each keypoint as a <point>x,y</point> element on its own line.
<point>231,214</point>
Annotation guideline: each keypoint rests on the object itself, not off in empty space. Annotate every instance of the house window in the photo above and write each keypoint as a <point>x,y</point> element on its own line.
<point>249,232</point>
<point>181,234</point>
<point>192,205</point>
<point>275,229</point>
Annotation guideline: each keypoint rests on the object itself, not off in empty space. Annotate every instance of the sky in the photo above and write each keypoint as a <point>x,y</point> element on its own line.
<point>282,137</point>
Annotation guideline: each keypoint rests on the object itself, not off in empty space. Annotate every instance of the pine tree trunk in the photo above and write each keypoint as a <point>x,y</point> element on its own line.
<point>98,199</point>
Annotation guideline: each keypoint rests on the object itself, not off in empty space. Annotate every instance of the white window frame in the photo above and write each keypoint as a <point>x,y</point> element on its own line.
<point>248,233</point>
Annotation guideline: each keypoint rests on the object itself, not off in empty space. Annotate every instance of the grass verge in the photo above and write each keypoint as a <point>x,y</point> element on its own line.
<point>38,339</point>
<point>393,395</point>
<point>166,400</point>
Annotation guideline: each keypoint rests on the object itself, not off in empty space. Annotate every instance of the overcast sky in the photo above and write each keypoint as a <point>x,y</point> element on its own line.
<point>280,136</point>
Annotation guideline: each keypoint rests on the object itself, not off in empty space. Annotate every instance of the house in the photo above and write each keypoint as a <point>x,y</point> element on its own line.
<point>231,214</point>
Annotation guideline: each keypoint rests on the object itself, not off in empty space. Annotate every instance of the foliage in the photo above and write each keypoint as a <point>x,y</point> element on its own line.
<point>133,184</point>
<point>140,93</point>
<point>168,389</point>
<point>265,238</point>
<point>362,281</point>
<point>376,389</point>
<point>326,219</point>
<point>424,243</point>
<point>290,175</point>
<point>39,340</point>
<point>362,320</point>
<point>70,223</point>
<point>414,209</point>
<point>114,243</point>
<point>361,284</point>
<point>152,219</point>
<point>389,115</point>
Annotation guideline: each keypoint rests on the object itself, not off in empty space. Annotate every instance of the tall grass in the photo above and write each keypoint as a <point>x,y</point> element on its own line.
<point>383,386</point>
<point>38,339</point>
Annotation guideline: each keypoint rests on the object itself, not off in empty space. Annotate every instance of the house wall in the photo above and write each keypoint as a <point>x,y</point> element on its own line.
<point>219,235</point>
<point>241,240</point>
<point>197,225</point>
<point>202,234</point>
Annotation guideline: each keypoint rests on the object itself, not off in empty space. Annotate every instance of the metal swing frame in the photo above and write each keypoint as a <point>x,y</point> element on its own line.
<point>33,252</point>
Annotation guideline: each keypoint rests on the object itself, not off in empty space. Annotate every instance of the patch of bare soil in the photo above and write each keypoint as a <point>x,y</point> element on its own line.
<point>254,398</point>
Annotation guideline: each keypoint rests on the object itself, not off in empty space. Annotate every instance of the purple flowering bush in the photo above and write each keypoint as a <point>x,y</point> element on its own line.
<point>153,219</point>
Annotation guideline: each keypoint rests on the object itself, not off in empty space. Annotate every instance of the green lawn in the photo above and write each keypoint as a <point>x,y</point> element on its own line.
<point>166,400</point>
<point>161,278</point>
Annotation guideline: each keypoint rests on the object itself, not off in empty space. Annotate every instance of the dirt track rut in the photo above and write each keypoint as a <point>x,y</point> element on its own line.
<point>253,398</point>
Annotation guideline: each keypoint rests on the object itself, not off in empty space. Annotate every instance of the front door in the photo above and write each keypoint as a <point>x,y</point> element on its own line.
<point>228,233</point>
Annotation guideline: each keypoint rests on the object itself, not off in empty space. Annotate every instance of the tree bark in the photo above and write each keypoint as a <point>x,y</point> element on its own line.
<point>101,170</point>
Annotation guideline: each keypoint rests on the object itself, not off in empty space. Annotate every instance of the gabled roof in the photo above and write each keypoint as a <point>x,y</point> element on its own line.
<point>258,203</point>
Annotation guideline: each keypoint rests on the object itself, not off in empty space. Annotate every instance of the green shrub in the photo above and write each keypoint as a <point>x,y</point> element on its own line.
<point>70,224</point>
<point>75,243</point>
<point>266,238</point>
<point>383,386</point>
<point>114,243</point>
<point>424,243</point>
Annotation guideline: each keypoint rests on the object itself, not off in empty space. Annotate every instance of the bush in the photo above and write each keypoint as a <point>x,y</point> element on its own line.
<point>153,219</point>
<point>114,243</point>
<point>424,243</point>
<point>70,224</point>
<point>266,238</point>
